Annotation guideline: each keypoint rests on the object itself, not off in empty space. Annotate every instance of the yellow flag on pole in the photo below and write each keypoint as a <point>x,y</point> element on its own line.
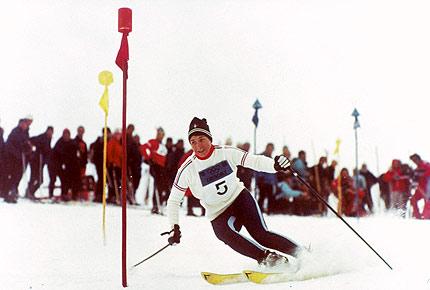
<point>104,101</point>
<point>336,150</point>
<point>105,78</point>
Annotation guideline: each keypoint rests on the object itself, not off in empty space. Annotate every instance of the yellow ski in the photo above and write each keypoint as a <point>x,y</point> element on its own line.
<point>261,277</point>
<point>222,279</point>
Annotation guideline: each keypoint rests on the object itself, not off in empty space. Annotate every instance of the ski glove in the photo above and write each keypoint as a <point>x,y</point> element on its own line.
<point>175,236</point>
<point>281,163</point>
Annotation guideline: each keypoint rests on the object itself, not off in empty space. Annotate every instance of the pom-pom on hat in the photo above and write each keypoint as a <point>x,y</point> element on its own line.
<point>199,127</point>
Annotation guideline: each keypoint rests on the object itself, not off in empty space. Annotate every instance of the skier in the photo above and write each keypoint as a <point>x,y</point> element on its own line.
<point>210,173</point>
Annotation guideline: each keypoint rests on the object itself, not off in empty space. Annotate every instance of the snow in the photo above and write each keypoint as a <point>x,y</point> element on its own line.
<point>58,246</point>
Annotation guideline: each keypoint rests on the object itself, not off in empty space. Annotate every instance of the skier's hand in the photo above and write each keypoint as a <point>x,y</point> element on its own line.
<point>281,163</point>
<point>175,236</point>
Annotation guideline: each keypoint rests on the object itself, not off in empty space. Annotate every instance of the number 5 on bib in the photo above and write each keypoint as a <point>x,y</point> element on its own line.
<point>221,187</point>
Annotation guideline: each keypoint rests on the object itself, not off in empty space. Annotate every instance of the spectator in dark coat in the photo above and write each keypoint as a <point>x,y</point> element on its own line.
<point>331,171</point>
<point>170,166</point>
<point>371,180</point>
<point>38,159</point>
<point>134,162</point>
<point>16,151</point>
<point>320,180</point>
<point>66,155</point>
<point>266,183</point>
<point>384,189</point>
<point>83,151</point>
<point>172,162</point>
<point>96,157</point>
<point>53,173</point>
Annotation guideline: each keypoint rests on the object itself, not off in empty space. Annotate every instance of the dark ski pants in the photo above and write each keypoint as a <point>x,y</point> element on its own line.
<point>99,186</point>
<point>245,212</point>
<point>69,182</point>
<point>13,174</point>
<point>36,176</point>
<point>53,173</point>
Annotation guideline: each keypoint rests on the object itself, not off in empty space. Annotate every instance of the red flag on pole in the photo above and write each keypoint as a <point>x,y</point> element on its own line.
<point>122,57</point>
<point>124,26</point>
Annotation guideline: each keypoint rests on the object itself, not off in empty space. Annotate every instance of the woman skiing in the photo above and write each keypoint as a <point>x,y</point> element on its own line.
<point>210,173</point>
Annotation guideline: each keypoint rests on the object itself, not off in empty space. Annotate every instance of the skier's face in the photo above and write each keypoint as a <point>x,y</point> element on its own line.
<point>201,145</point>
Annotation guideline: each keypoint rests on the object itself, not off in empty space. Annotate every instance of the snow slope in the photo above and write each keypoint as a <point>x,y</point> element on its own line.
<point>57,246</point>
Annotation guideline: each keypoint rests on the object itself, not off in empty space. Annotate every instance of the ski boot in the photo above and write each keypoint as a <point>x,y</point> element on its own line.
<point>272,259</point>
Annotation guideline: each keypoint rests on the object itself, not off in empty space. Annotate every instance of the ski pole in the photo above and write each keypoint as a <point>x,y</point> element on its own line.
<point>135,265</point>
<point>314,192</point>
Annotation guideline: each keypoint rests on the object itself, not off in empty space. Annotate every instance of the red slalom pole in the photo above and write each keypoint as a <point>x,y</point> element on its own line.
<point>124,26</point>
<point>124,182</point>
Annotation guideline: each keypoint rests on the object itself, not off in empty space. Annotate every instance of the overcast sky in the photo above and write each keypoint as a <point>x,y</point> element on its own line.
<point>308,62</point>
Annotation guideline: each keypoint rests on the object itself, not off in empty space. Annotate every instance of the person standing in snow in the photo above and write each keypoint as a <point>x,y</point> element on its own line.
<point>399,186</point>
<point>66,157</point>
<point>114,164</point>
<point>83,151</point>
<point>422,175</point>
<point>96,157</point>
<point>16,152</point>
<point>154,153</point>
<point>266,183</point>
<point>210,173</point>
<point>38,158</point>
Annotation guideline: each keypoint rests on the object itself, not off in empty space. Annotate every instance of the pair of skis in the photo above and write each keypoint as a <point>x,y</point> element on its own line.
<point>246,276</point>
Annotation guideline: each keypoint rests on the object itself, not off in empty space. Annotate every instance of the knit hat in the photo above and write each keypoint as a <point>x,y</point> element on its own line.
<point>199,127</point>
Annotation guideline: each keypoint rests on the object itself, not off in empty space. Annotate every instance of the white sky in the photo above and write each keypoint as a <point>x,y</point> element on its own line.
<point>309,63</point>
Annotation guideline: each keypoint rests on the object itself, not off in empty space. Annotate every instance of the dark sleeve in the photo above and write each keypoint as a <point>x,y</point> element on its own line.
<point>57,152</point>
<point>14,144</point>
<point>37,141</point>
<point>373,179</point>
<point>85,154</point>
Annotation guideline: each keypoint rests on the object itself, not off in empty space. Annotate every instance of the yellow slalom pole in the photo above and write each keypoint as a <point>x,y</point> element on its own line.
<point>339,185</point>
<point>105,78</point>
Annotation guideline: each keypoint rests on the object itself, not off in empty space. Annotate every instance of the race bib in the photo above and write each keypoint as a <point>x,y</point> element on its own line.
<point>215,172</point>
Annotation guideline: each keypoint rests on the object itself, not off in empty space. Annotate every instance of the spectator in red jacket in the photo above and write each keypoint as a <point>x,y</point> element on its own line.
<point>154,153</point>
<point>399,186</point>
<point>422,176</point>
<point>114,165</point>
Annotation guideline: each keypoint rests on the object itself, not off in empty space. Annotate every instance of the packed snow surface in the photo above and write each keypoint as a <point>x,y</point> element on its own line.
<point>58,246</point>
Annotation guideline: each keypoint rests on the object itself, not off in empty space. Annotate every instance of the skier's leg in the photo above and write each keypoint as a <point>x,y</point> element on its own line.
<point>251,217</point>
<point>227,229</point>
<point>52,171</point>
<point>414,203</point>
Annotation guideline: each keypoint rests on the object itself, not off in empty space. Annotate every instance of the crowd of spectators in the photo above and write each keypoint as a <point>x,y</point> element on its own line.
<point>275,193</point>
